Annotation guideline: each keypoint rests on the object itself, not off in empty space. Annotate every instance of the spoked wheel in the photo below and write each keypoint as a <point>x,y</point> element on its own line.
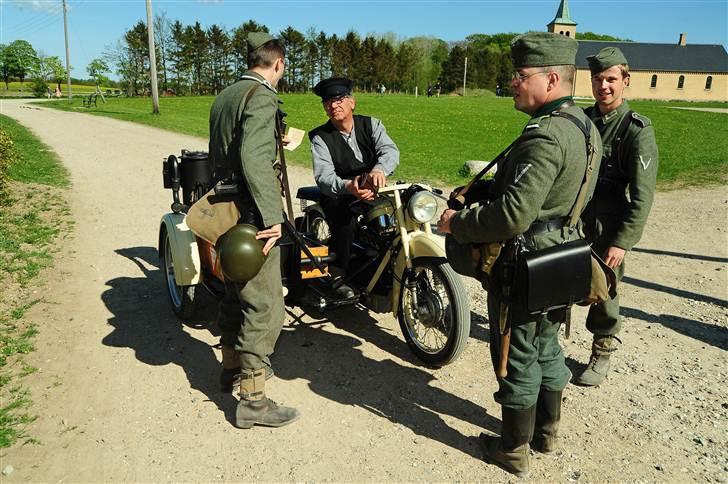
<point>184,299</point>
<point>434,312</point>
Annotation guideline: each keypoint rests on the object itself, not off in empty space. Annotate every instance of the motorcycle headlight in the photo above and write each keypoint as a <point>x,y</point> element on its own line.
<point>422,207</point>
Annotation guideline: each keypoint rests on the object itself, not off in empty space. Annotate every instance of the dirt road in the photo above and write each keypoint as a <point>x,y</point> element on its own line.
<point>125,392</point>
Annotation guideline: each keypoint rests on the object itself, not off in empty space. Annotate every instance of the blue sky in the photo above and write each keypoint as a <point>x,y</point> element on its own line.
<point>95,24</point>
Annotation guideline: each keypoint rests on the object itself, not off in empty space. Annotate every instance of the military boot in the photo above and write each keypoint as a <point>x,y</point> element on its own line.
<point>510,452</point>
<point>255,408</point>
<point>548,415</point>
<point>598,367</point>
<point>231,369</point>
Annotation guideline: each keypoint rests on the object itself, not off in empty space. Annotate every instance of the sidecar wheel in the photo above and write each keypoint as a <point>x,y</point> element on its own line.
<point>437,326</point>
<point>184,299</point>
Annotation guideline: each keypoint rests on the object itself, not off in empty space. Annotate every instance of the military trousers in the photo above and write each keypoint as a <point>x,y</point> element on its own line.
<point>535,359</point>
<point>251,315</point>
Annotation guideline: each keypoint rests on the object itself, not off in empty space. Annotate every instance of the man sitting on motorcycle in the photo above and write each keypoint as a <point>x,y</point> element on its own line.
<point>352,157</point>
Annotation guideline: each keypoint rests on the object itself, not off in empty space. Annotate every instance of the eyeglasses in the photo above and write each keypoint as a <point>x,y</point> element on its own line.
<point>517,76</point>
<point>335,100</point>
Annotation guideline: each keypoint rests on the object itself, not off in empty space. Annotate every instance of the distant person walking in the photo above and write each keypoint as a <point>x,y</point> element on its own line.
<point>58,92</point>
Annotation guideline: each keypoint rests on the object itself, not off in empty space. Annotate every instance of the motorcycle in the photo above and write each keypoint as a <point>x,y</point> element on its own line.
<point>397,263</point>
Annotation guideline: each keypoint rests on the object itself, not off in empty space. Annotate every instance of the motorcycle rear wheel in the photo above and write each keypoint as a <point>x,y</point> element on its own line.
<point>437,329</point>
<point>183,299</point>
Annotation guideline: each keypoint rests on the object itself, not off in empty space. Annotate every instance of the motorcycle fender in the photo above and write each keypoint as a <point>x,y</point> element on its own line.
<point>421,244</point>
<point>183,244</point>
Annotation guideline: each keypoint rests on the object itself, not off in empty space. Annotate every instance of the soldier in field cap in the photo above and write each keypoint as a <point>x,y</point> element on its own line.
<point>352,156</point>
<point>617,214</point>
<point>243,133</point>
<point>530,198</point>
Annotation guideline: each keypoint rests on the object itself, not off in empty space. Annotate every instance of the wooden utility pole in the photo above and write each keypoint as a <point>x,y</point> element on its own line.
<point>68,52</point>
<point>152,58</point>
<point>465,75</point>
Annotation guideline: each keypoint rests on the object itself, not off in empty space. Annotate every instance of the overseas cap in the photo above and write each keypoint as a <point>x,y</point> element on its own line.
<point>257,39</point>
<point>606,58</point>
<point>540,49</point>
<point>333,87</point>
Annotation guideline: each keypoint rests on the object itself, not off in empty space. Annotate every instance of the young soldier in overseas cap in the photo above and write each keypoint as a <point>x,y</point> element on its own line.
<point>243,147</point>
<point>534,191</point>
<point>613,220</point>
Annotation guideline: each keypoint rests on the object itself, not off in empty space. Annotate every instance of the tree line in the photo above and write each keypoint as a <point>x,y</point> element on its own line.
<point>193,60</point>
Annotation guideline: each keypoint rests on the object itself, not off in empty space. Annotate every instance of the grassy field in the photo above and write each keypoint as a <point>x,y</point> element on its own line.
<point>437,135</point>
<point>15,89</point>
<point>36,216</point>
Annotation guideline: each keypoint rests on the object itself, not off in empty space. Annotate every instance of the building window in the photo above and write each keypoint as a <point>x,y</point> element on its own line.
<point>680,82</point>
<point>653,83</point>
<point>708,83</point>
<point>561,32</point>
<point>568,34</point>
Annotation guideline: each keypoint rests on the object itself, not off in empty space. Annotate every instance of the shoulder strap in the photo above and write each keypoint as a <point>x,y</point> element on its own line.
<point>621,133</point>
<point>460,196</point>
<point>590,151</point>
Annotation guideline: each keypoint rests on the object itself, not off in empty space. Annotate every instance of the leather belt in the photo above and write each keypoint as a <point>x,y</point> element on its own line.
<point>552,225</point>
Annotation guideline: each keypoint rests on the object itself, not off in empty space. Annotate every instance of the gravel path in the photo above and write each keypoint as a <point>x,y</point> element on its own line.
<point>125,392</point>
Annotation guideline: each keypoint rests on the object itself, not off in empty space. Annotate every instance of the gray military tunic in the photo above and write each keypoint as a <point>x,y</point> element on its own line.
<point>538,181</point>
<point>251,315</point>
<point>617,214</point>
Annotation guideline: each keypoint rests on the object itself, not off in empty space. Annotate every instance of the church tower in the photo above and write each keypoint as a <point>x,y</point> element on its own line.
<point>562,23</point>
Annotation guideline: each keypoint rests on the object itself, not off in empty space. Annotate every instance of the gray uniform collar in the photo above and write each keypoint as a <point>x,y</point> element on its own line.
<point>253,76</point>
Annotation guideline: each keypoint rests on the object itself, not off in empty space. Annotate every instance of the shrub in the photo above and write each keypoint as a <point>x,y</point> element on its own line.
<point>7,157</point>
<point>40,87</point>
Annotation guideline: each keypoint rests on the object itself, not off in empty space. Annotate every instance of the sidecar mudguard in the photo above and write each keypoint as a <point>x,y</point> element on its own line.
<point>421,244</point>
<point>183,246</point>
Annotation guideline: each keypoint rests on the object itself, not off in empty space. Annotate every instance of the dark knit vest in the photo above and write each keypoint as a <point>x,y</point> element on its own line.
<point>345,163</point>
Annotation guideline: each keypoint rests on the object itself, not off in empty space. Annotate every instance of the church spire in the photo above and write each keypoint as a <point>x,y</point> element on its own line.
<point>562,14</point>
<point>562,23</point>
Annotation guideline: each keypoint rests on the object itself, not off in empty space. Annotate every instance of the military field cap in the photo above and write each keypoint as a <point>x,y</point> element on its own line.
<point>333,87</point>
<point>540,49</point>
<point>606,58</point>
<point>257,39</point>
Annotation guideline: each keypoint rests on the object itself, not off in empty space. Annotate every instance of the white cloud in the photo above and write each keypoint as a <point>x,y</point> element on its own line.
<point>49,6</point>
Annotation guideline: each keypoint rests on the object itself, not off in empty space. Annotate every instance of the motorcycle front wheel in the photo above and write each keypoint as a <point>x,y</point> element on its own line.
<point>434,312</point>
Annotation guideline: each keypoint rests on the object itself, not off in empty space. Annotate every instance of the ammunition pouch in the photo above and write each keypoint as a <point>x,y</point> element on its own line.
<point>472,260</point>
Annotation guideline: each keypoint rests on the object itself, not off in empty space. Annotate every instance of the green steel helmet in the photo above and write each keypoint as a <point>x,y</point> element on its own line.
<point>241,254</point>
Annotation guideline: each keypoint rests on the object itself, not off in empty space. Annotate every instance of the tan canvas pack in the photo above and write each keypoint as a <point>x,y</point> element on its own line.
<point>210,219</point>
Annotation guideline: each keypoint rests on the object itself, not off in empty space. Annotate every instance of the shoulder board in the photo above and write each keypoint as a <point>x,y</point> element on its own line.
<point>640,120</point>
<point>535,123</point>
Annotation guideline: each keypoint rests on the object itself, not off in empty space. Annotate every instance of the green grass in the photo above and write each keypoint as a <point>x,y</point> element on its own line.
<point>437,135</point>
<point>15,89</point>
<point>29,227</point>
<point>38,164</point>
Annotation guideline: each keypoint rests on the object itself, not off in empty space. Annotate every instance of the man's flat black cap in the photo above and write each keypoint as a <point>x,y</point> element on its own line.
<point>333,87</point>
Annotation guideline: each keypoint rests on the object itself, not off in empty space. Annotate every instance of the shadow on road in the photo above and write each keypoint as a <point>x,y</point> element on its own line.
<point>333,364</point>
<point>143,321</point>
<point>709,258</point>
<point>707,333</point>
<point>336,368</point>
<point>675,291</point>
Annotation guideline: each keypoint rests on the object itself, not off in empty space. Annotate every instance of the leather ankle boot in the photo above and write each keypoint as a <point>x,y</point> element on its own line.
<point>510,452</point>
<point>255,408</point>
<point>598,367</point>
<point>548,416</point>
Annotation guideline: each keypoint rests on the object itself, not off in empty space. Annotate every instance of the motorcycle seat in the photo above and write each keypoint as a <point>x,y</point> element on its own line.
<point>309,193</point>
